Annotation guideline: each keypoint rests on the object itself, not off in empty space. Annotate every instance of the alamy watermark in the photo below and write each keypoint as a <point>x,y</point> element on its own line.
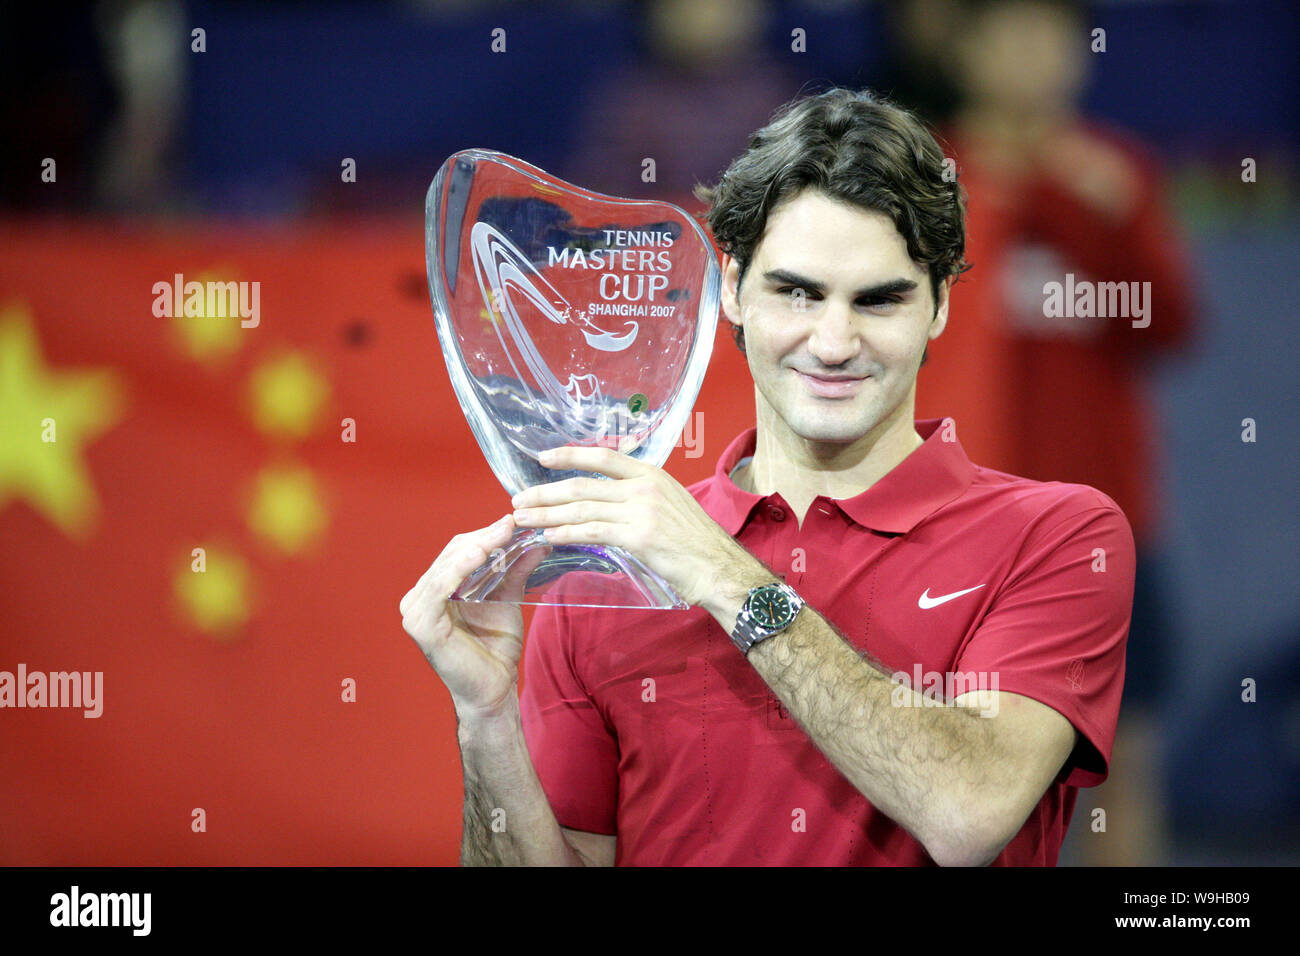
<point>84,689</point>
<point>1084,299</point>
<point>628,428</point>
<point>941,690</point>
<point>212,299</point>
<point>76,908</point>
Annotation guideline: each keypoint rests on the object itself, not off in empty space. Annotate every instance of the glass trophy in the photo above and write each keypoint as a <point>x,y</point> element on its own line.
<point>566,317</point>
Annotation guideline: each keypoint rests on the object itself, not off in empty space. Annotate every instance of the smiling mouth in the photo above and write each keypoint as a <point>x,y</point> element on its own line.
<point>831,387</point>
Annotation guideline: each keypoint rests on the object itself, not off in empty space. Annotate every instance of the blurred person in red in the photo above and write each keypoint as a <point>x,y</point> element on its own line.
<point>1079,281</point>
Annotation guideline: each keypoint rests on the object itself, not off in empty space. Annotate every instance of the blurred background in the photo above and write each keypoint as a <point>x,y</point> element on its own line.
<point>261,702</point>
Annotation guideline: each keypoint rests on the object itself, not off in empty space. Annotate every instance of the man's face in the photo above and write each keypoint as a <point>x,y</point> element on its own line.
<point>836,317</point>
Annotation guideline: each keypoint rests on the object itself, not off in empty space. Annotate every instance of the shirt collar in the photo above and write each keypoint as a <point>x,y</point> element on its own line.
<point>934,474</point>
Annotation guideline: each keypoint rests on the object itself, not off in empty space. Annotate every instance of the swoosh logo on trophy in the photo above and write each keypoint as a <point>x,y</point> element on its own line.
<point>501,266</point>
<point>505,264</point>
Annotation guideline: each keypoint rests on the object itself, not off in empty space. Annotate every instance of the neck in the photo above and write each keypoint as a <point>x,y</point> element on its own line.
<point>800,469</point>
<point>1010,123</point>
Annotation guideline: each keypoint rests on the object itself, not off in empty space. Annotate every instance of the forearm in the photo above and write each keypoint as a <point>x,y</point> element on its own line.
<point>920,765</point>
<point>507,818</point>
<point>923,766</point>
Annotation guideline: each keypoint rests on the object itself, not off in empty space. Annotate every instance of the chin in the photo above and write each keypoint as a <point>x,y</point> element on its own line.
<point>812,427</point>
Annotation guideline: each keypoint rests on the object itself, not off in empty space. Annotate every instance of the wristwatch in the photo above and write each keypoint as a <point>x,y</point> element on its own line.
<point>768,610</point>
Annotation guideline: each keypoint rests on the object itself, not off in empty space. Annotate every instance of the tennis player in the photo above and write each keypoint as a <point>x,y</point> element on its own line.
<point>893,656</point>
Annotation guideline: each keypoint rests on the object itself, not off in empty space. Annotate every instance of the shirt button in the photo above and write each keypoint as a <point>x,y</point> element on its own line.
<point>776,514</point>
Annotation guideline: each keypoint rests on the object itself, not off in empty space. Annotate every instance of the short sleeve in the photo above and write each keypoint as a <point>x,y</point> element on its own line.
<point>1058,630</point>
<point>572,748</point>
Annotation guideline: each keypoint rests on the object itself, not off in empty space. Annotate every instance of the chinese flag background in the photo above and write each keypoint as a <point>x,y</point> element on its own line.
<point>224,688</point>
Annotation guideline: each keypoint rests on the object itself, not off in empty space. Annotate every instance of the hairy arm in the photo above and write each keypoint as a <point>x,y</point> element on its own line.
<point>961,783</point>
<point>507,818</point>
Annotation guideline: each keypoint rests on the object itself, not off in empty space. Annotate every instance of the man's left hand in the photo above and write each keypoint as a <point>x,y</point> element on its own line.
<point>644,511</point>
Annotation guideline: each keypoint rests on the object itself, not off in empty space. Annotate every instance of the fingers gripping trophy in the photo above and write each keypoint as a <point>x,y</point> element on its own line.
<point>565,317</point>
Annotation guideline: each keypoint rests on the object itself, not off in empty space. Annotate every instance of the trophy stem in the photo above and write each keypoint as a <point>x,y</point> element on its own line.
<point>573,575</point>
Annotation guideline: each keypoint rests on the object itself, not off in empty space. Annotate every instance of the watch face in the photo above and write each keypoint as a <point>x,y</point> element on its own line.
<point>769,607</point>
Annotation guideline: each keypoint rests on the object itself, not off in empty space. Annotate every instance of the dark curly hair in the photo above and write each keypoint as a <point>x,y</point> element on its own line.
<point>852,145</point>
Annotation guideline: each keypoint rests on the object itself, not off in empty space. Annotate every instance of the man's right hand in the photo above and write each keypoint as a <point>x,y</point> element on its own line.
<point>474,647</point>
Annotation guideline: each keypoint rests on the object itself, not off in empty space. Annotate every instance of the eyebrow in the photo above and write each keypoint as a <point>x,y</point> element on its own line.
<point>889,287</point>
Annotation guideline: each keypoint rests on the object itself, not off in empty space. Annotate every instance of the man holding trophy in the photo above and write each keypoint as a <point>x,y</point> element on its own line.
<point>849,645</point>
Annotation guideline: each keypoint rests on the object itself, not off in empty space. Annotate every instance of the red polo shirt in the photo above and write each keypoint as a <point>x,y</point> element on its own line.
<point>651,725</point>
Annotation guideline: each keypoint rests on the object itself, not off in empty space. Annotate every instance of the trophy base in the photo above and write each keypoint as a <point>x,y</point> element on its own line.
<point>567,575</point>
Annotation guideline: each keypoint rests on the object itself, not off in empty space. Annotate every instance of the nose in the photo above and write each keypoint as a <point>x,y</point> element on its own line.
<point>834,339</point>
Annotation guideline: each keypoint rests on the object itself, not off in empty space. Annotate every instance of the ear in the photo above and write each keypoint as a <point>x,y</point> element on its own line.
<point>729,298</point>
<point>940,320</point>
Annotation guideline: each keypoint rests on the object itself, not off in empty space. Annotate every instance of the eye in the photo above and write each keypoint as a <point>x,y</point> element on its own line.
<point>883,304</point>
<point>788,291</point>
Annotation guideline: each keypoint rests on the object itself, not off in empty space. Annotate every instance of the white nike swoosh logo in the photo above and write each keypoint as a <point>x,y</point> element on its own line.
<point>925,602</point>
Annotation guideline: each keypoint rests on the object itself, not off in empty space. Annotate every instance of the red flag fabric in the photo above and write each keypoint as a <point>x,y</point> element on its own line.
<point>218,513</point>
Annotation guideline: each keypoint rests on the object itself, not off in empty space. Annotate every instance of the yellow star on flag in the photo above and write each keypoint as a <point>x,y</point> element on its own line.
<point>212,588</point>
<point>287,511</point>
<point>209,338</point>
<point>288,395</point>
<point>47,418</point>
